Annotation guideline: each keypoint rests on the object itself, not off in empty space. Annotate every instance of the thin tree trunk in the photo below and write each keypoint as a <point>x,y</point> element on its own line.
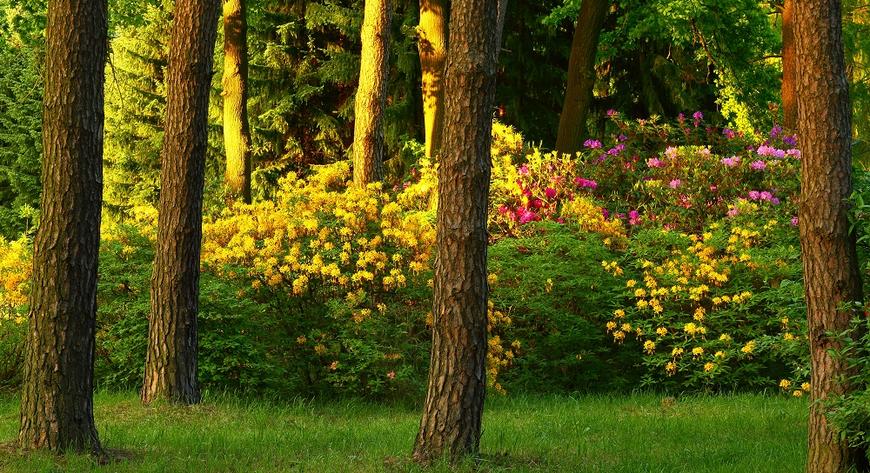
<point>170,366</point>
<point>57,396</point>
<point>237,134</point>
<point>789,67</point>
<point>371,96</point>
<point>831,272</point>
<point>499,25</point>
<point>581,76</point>
<point>457,374</point>
<point>432,44</point>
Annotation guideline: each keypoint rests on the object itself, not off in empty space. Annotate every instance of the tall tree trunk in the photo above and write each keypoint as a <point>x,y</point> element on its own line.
<point>457,373</point>
<point>581,76</point>
<point>789,67</point>
<point>170,366</point>
<point>237,134</point>
<point>57,396</point>
<point>371,96</point>
<point>432,44</point>
<point>831,272</point>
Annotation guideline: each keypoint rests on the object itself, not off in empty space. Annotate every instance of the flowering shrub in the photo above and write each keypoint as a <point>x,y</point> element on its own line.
<point>356,266</point>
<point>664,255</point>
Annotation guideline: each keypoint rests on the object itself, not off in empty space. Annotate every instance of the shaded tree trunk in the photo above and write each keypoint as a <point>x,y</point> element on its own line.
<point>171,364</point>
<point>371,96</point>
<point>581,76</point>
<point>57,395</point>
<point>499,25</point>
<point>831,272</point>
<point>457,373</point>
<point>237,134</point>
<point>432,43</point>
<point>789,67</point>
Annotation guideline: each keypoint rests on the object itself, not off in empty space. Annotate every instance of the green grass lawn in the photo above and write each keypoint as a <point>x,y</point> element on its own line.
<point>587,434</point>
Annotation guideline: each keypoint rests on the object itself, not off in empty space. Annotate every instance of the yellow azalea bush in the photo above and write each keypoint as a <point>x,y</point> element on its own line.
<point>720,308</point>
<point>15,268</point>
<point>354,263</point>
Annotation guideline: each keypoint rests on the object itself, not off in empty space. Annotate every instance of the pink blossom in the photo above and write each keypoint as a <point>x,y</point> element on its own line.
<point>671,152</point>
<point>675,183</point>
<point>523,170</point>
<point>794,221</point>
<point>525,215</point>
<point>550,192</point>
<point>758,165</point>
<point>729,133</point>
<point>654,162</point>
<point>633,217</point>
<point>587,183</point>
<point>731,162</point>
<point>592,144</point>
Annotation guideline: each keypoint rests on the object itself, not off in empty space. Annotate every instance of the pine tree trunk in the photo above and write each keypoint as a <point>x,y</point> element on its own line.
<point>581,76</point>
<point>831,272</point>
<point>237,134</point>
<point>170,366</point>
<point>432,44</point>
<point>57,396</point>
<point>789,67</point>
<point>457,374</point>
<point>371,96</point>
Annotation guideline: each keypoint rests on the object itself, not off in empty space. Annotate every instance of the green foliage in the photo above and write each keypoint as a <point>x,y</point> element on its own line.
<point>21,92</point>
<point>235,333</point>
<point>304,71</point>
<point>557,311</point>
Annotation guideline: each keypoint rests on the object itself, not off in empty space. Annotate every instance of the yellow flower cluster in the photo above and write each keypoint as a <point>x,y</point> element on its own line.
<point>585,213</point>
<point>322,235</point>
<point>15,268</point>
<point>500,353</point>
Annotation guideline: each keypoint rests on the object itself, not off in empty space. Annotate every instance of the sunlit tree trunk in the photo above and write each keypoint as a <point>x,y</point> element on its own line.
<point>171,364</point>
<point>237,134</point>
<point>789,67</point>
<point>432,44</point>
<point>371,96</point>
<point>831,271</point>
<point>581,76</point>
<point>457,374</point>
<point>57,395</point>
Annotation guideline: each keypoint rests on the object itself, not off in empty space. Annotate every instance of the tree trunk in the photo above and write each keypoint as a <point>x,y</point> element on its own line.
<point>371,96</point>
<point>789,67</point>
<point>831,272</point>
<point>457,374</point>
<point>57,396</point>
<point>433,56</point>
<point>237,134</point>
<point>499,26</point>
<point>170,366</point>
<point>581,76</point>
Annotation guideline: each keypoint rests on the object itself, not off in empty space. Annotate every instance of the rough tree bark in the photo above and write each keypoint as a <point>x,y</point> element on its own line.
<point>237,134</point>
<point>581,76</point>
<point>831,272</point>
<point>789,68</point>
<point>432,43</point>
<point>171,364</point>
<point>57,396</point>
<point>457,374</point>
<point>371,96</point>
